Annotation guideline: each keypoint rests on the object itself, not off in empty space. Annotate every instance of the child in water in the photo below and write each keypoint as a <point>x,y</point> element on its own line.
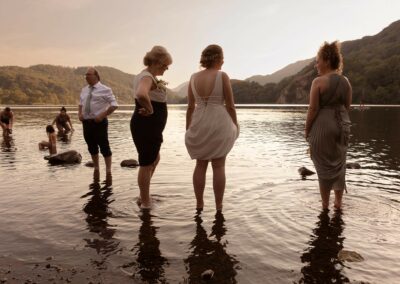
<point>51,144</point>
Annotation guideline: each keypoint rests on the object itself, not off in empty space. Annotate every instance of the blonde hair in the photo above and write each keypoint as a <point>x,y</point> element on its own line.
<point>211,55</point>
<point>158,54</point>
<point>330,52</point>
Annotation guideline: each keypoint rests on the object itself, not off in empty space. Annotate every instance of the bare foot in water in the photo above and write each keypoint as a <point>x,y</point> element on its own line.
<point>108,180</point>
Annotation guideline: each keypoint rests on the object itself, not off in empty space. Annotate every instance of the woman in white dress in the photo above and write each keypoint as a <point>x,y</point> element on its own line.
<point>211,124</point>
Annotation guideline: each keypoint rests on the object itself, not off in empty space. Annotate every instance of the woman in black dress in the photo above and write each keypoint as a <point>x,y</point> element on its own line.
<point>150,116</point>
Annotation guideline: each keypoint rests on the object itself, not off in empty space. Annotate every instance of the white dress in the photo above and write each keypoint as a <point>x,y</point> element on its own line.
<point>211,133</point>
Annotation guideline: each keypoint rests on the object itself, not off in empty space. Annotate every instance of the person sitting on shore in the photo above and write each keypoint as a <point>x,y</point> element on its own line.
<point>51,144</point>
<point>63,121</point>
<point>6,121</point>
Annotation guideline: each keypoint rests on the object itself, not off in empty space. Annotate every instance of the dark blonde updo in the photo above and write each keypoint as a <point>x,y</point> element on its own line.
<point>211,55</point>
<point>158,54</point>
<point>330,52</point>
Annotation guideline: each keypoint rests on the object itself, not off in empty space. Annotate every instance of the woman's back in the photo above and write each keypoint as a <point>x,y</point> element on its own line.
<point>334,91</point>
<point>207,87</point>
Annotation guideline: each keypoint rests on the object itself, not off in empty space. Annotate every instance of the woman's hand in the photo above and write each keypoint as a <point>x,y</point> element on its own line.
<point>145,112</point>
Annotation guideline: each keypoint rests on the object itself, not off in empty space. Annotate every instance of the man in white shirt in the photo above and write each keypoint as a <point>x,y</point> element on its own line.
<point>97,101</point>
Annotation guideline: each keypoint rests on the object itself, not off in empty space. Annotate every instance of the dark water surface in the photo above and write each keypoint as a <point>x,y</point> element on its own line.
<point>271,231</point>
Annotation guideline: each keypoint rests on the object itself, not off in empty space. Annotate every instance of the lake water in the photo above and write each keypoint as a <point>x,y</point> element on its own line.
<point>271,231</point>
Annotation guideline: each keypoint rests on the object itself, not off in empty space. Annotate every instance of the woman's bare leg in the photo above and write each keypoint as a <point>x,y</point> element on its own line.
<point>199,182</point>
<point>155,164</point>
<point>325,193</point>
<point>219,180</point>
<point>44,145</point>
<point>338,198</point>
<point>144,177</point>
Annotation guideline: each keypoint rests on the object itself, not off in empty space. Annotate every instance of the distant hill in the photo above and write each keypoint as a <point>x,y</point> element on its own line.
<point>49,84</point>
<point>277,76</point>
<point>181,90</point>
<point>372,65</point>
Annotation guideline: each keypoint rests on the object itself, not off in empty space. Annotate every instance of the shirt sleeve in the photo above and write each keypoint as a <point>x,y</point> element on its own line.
<point>110,98</point>
<point>81,98</point>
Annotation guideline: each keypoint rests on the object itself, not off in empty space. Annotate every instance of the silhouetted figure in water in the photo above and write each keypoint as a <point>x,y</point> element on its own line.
<point>98,212</point>
<point>321,261</point>
<point>209,253</point>
<point>149,265</point>
<point>6,121</point>
<point>51,144</point>
<point>63,122</point>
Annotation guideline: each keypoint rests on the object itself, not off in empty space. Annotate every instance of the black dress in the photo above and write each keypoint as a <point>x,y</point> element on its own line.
<point>147,130</point>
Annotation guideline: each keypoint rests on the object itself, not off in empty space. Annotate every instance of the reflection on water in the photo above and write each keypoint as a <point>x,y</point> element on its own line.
<point>64,137</point>
<point>321,258</point>
<point>7,153</point>
<point>149,264</point>
<point>98,213</point>
<point>269,211</point>
<point>209,252</point>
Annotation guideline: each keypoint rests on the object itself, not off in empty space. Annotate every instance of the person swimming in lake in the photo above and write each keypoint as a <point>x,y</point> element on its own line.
<point>6,121</point>
<point>51,144</point>
<point>63,121</point>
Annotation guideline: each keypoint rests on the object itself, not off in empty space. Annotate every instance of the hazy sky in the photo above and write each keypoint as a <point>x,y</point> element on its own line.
<point>258,36</point>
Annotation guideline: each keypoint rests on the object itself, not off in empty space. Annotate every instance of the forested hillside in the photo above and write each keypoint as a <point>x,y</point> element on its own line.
<point>48,84</point>
<point>372,64</point>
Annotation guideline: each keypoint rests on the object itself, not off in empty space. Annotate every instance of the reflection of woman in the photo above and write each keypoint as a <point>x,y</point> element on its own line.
<point>63,121</point>
<point>150,116</point>
<point>328,124</point>
<point>321,262</point>
<point>210,254</point>
<point>211,124</point>
<point>98,212</point>
<point>150,263</point>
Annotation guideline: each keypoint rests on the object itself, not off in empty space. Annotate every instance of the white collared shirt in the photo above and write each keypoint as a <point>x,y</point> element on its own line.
<point>102,98</point>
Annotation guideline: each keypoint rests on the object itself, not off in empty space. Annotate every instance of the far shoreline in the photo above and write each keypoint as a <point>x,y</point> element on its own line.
<point>239,106</point>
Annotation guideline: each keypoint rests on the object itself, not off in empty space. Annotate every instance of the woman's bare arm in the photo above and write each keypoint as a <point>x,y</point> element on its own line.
<point>142,95</point>
<point>228,95</point>
<point>191,106</point>
<point>313,107</point>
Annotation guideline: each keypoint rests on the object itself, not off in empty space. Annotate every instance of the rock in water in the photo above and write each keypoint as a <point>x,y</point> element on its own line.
<point>131,163</point>
<point>89,164</point>
<point>208,274</point>
<point>67,157</point>
<point>350,256</point>
<point>353,166</point>
<point>303,171</point>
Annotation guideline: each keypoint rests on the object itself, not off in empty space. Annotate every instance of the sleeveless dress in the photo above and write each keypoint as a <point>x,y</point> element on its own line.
<point>329,135</point>
<point>211,133</point>
<point>147,130</point>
